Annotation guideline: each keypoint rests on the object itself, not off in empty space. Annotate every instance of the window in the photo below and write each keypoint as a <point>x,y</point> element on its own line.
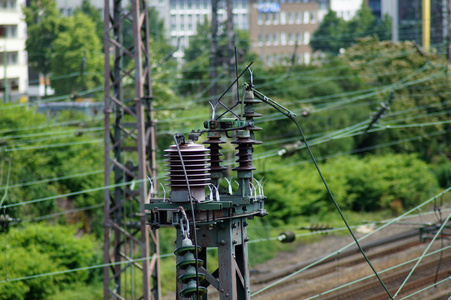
<point>298,17</point>
<point>13,84</point>
<point>260,38</point>
<point>299,38</point>
<point>306,37</point>
<point>312,17</point>
<point>245,23</point>
<point>291,38</point>
<point>306,58</point>
<point>182,23</point>
<point>276,38</point>
<point>275,18</point>
<point>283,38</point>
<point>306,17</point>
<point>283,18</point>
<point>173,23</point>
<point>11,58</point>
<point>267,18</point>
<point>190,4</point>
<point>8,4</point>
<point>290,17</point>
<point>8,31</point>
<point>182,4</point>
<point>268,39</point>
<point>260,18</point>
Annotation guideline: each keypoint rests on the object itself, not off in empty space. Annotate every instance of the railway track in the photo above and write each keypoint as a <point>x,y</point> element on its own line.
<point>350,266</point>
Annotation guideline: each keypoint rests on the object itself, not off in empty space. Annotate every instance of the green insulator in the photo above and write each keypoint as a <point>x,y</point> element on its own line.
<point>190,274</point>
<point>189,260</point>
<point>182,250</point>
<point>191,289</point>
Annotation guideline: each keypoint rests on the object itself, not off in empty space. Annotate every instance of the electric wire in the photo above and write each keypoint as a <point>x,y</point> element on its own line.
<point>381,272</point>
<point>338,207</point>
<point>422,256</point>
<point>22,184</point>
<point>427,288</point>
<point>70,194</point>
<point>193,216</point>
<point>95,141</point>
<point>171,254</point>
<point>350,244</point>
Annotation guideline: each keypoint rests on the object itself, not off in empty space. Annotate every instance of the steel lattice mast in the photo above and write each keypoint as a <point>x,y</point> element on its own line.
<point>130,145</point>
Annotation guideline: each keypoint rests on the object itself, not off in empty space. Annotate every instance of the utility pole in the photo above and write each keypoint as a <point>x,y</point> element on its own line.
<point>6,83</point>
<point>129,157</point>
<point>426,17</point>
<point>448,35</point>
<point>214,49</point>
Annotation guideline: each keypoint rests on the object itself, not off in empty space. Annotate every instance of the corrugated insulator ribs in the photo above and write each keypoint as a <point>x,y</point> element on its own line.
<point>214,140</point>
<point>244,151</point>
<point>195,160</point>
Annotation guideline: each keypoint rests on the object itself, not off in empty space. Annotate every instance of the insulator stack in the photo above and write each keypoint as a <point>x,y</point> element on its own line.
<point>249,113</point>
<point>188,263</point>
<point>195,161</point>
<point>214,140</point>
<point>245,150</point>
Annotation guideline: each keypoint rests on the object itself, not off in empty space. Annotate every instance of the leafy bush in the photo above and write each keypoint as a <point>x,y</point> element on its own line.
<point>39,249</point>
<point>369,184</point>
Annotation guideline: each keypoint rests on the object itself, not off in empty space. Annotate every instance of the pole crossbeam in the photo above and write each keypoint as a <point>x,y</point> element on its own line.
<point>130,144</point>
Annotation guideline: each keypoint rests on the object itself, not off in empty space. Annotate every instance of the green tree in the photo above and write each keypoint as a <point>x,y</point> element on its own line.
<point>79,52</point>
<point>334,33</point>
<point>420,86</point>
<point>43,26</point>
<point>329,35</point>
<point>95,14</point>
<point>43,248</point>
<point>198,59</point>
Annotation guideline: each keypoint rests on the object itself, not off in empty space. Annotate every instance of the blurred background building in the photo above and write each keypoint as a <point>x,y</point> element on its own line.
<point>409,16</point>
<point>13,57</point>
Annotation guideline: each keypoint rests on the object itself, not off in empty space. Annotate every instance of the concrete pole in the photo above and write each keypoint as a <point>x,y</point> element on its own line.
<point>5,63</point>
<point>426,17</point>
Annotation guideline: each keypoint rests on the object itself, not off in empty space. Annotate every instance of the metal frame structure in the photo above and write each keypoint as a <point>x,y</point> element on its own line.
<point>220,220</point>
<point>130,146</point>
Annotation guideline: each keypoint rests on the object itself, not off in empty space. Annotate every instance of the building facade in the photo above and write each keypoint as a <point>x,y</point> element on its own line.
<point>346,9</point>
<point>407,19</point>
<point>13,57</point>
<point>182,16</point>
<point>281,33</point>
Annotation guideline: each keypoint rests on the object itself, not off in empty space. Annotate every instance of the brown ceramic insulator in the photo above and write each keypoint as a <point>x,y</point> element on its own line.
<point>215,160</point>
<point>244,153</point>
<point>249,98</point>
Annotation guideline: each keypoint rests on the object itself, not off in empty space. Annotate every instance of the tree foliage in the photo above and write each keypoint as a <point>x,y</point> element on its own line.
<point>334,33</point>
<point>79,51</point>
<point>39,249</point>
<point>43,27</point>
<point>419,82</point>
<point>369,184</point>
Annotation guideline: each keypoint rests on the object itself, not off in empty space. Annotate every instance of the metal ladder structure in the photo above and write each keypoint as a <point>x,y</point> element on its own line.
<point>129,157</point>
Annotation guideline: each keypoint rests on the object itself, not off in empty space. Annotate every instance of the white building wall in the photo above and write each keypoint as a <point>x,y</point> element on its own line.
<point>390,7</point>
<point>12,40</point>
<point>346,9</point>
<point>181,18</point>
